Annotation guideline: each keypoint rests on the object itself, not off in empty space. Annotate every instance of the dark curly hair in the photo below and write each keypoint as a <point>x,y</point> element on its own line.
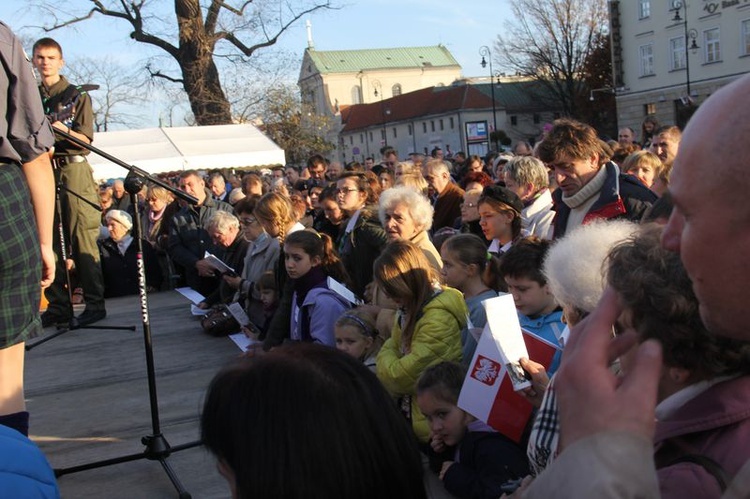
<point>653,284</point>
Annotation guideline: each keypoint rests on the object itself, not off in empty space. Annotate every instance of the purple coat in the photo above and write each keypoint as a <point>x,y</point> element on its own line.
<point>715,424</point>
<point>314,321</point>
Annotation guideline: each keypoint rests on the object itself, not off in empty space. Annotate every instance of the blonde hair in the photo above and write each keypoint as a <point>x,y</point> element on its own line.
<point>643,157</point>
<point>160,193</point>
<point>276,209</point>
<point>403,272</point>
<point>414,180</point>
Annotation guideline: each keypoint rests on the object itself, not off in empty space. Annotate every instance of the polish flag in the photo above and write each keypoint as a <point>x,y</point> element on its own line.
<point>487,392</point>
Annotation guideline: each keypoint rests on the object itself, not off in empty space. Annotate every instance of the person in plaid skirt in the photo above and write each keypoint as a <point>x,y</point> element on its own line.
<point>27,195</point>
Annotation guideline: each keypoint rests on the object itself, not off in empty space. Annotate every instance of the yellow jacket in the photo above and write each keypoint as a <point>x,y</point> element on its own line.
<point>436,338</point>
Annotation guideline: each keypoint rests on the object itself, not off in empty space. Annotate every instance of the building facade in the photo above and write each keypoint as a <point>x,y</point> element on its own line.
<point>333,80</point>
<point>670,55</point>
<point>455,118</point>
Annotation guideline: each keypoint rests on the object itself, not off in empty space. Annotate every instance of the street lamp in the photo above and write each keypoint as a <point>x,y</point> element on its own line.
<point>379,91</point>
<point>486,54</point>
<point>690,36</point>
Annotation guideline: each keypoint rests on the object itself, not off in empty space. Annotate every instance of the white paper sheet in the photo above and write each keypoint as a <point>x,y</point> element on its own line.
<point>239,315</point>
<point>198,312</point>
<point>242,341</point>
<point>191,294</point>
<point>343,291</point>
<point>217,264</point>
<point>502,320</point>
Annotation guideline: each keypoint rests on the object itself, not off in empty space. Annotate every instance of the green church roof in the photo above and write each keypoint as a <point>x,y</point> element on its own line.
<point>352,61</point>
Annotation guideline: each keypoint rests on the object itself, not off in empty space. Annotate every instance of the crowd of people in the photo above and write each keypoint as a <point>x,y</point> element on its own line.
<point>629,258</point>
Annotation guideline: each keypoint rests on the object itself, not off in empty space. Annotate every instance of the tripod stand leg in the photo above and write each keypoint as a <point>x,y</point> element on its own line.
<point>183,494</point>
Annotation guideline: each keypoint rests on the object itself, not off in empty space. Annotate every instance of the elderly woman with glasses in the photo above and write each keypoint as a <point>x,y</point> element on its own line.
<point>469,221</point>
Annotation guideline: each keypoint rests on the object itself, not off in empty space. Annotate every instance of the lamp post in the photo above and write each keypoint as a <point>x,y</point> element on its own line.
<point>486,54</point>
<point>379,91</point>
<point>690,36</point>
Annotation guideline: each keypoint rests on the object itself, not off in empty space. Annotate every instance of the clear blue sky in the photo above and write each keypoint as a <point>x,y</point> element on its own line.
<point>461,26</point>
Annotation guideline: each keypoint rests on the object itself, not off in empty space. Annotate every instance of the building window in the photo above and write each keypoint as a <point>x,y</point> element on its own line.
<point>361,139</point>
<point>644,9</point>
<point>395,134</point>
<point>677,53</point>
<point>442,127</point>
<point>356,95</point>
<point>351,140</point>
<point>536,118</point>
<point>647,59</point>
<point>745,37</point>
<point>452,124</point>
<point>713,45</point>
<point>424,127</point>
<point>649,109</point>
<point>382,134</point>
<point>396,89</point>
<point>410,130</point>
<point>370,136</point>
<point>513,120</point>
<point>432,125</point>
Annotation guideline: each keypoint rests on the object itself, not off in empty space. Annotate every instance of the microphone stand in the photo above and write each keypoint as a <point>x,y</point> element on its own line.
<point>156,446</point>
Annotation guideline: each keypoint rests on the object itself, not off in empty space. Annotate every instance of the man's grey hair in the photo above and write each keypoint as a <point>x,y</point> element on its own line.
<point>527,170</point>
<point>222,221</point>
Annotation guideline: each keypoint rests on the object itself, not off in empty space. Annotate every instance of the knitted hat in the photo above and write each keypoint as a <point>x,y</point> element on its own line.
<point>120,216</point>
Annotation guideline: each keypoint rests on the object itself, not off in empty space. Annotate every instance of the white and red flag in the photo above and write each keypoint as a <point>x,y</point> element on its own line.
<point>488,392</point>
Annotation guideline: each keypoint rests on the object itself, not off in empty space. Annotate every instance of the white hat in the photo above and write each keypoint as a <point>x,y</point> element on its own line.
<point>120,216</point>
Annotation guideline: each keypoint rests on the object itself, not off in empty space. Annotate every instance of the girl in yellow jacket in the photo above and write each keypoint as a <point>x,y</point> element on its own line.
<point>427,329</point>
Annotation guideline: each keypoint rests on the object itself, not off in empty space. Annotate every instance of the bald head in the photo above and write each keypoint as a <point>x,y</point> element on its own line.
<point>710,223</point>
<point>718,146</point>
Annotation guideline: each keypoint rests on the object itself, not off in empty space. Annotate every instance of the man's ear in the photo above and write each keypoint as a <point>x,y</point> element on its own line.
<point>594,159</point>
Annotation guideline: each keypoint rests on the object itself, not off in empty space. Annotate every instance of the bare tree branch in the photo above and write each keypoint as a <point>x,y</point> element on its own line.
<point>270,40</point>
<point>549,41</point>
<point>159,74</point>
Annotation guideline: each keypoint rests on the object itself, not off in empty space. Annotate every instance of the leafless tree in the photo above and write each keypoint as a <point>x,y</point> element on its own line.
<point>550,41</point>
<point>200,33</point>
<point>120,98</point>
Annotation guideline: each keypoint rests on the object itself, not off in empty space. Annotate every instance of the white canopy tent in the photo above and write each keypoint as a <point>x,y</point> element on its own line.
<point>157,150</point>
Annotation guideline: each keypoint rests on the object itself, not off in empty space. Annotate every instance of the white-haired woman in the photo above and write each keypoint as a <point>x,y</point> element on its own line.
<point>119,258</point>
<point>406,215</point>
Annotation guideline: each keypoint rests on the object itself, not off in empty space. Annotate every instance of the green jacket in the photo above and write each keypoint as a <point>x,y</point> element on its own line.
<point>437,338</point>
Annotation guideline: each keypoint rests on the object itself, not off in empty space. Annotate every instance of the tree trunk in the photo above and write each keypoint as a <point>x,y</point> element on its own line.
<point>199,73</point>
